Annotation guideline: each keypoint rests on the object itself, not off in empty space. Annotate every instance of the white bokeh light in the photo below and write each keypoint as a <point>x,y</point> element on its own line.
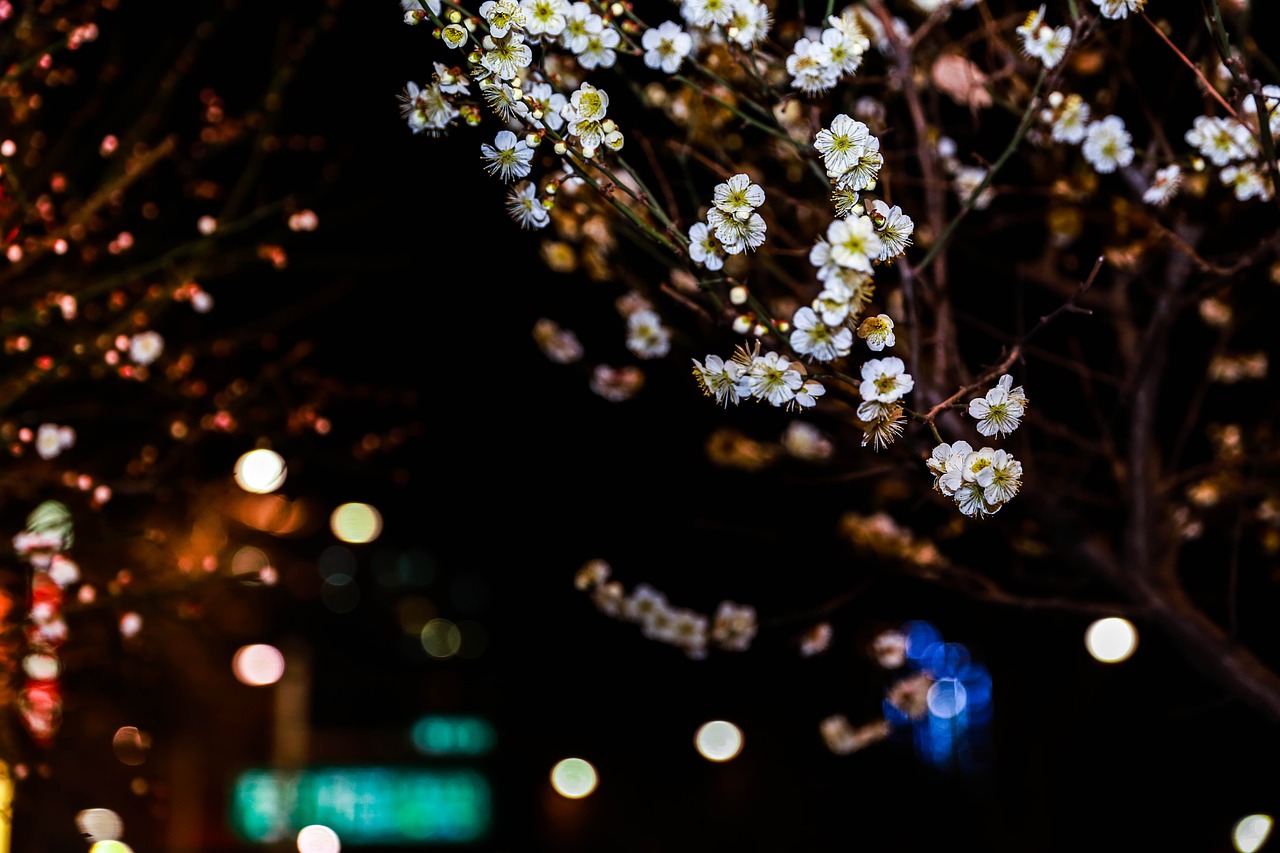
<point>318,839</point>
<point>260,471</point>
<point>258,665</point>
<point>573,778</point>
<point>1111,640</point>
<point>356,523</point>
<point>718,740</point>
<point>1251,832</point>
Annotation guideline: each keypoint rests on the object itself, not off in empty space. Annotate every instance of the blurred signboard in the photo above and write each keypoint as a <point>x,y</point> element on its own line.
<point>440,735</point>
<point>365,805</point>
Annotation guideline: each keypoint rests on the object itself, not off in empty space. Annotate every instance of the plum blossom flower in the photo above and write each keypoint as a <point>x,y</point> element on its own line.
<point>666,46</point>
<point>1107,145</point>
<point>998,412</point>
<point>884,380</point>
<point>877,331</point>
<point>814,338</point>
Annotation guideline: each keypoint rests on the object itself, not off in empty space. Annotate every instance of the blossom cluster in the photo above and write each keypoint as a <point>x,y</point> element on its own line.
<point>730,628</point>
<point>984,480</point>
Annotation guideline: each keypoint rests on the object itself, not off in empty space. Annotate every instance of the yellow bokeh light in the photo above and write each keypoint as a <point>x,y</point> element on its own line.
<point>441,638</point>
<point>718,740</point>
<point>260,471</point>
<point>1111,640</point>
<point>110,847</point>
<point>258,665</point>
<point>573,778</point>
<point>1251,832</point>
<point>318,839</point>
<point>356,523</point>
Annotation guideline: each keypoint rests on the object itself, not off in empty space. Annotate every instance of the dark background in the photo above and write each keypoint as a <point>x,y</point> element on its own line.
<point>513,474</point>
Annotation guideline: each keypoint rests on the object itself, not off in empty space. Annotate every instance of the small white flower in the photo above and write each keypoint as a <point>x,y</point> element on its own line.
<point>854,242</point>
<point>506,103</point>
<point>587,104</point>
<point>1215,139</point>
<point>734,626</point>
<point>1164,185</point>
<point>507,56</point>
<point>704,248</point>
<point>426,108</point>
<point>895,229</point>
<point>810,67</point>
<point>864,171</point>
<point>724,380</point>
<point>643,603</point>
<point>541,98</point>
<point>1106,145</point>
<point>646,336</point>
<point>454,36</point>
<point>451,80</point>
<point>1072,120</point>
<point>771,378</point>
<point>884,381</point>
<point>502,16</point>
<point>842,144</point>
<point>997,413</point>
<point>816,339</point>
<point>844,51</point>
<point>1001,478</point>
<point>946,462</point>
<point>580,24</point>
<point>1247,181</point>
<point>145,347</point>
<point>877,331</point>
<point>735,234</point>
<point>707,13</point>
<point>738,196</point>
<point>416,6</point>
<point>666,47</point>
<point>750,23</point>
<point>598,52</point>
<point>508,157</point>
<point>1115,9</point>
<point>544,17</point>
<point>807,394</point>
<point>524,207</point>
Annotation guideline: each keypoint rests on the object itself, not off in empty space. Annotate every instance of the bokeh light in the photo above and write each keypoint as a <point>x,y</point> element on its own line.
<point>100,825</point>
<point>718,740</point>
<point>318,839</point>
<point>110,847</point>
<point>356,523</point>
<point>1251,832</point>
<point>258,665</point>
<point>1111,640</point>
<point>260,471</point>
<point>947,698</point>
<point>441,638</point>
<point>130,745</point>
<point>573,778</point>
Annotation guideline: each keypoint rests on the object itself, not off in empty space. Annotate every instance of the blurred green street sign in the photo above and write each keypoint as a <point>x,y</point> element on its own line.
<point>364,805</point>
<point>440,735</point>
